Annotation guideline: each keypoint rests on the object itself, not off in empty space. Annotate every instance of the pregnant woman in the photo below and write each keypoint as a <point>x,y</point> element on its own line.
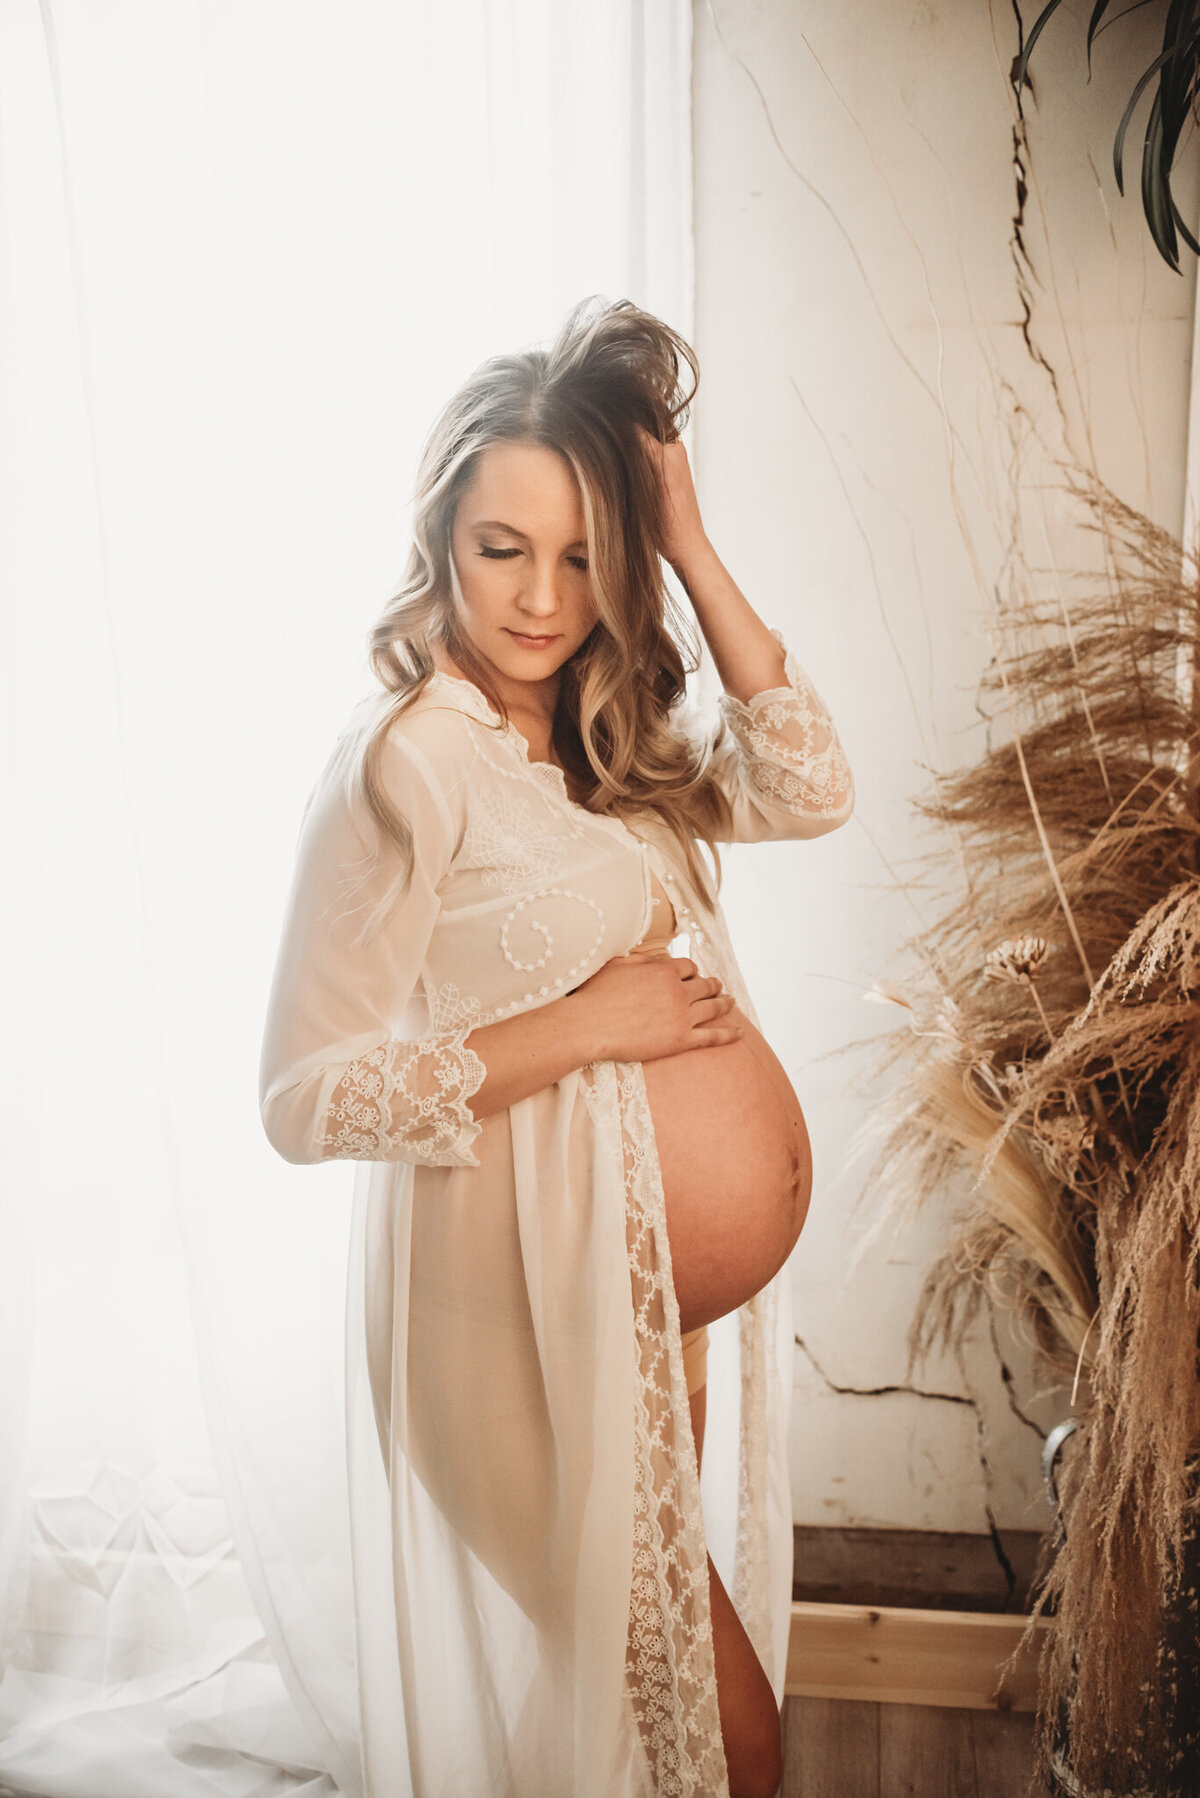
<point>577,1149</point>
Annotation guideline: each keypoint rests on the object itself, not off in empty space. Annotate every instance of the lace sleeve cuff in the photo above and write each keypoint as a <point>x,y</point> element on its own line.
<point>407,1101</point>
<point>791,755</point>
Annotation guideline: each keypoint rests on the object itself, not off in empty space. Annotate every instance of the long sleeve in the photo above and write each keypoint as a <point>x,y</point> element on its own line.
<point>339,1079</point>
<point>780,761</point>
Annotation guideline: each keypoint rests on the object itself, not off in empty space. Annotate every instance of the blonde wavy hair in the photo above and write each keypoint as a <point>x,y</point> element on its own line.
<point>611,369</point>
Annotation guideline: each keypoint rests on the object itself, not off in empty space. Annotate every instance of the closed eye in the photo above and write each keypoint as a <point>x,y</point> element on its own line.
<point>503,554</point>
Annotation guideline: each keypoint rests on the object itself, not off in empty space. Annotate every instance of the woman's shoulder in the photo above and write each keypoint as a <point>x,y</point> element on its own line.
<point>433,739</point>
<point>425,757</point>
<point>440,722</point>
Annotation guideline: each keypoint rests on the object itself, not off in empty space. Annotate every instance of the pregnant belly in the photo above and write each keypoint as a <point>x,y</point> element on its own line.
<point>736,1169</point>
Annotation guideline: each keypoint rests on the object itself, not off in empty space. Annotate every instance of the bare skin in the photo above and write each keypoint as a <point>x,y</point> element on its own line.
<point>736,1168</point>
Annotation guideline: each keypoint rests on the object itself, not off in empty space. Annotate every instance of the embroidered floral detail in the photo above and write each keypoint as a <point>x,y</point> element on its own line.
<point>407,1101</point>
<point>519,764</point>
<point>509,845</point>
<point>449,1010</point>
<point>793,756</point>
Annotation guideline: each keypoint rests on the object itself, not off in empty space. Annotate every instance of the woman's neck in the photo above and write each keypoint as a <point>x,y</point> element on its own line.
<point>530,704</point>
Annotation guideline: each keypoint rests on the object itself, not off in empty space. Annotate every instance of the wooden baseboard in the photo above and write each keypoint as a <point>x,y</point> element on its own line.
<point>884,1654</point>
<point>934,1570</point>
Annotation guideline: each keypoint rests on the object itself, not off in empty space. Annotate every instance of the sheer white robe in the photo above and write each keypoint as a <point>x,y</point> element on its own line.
<point>529,1549</point>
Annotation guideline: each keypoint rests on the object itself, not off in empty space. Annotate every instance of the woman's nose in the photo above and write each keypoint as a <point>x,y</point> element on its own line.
<point>541,596</point>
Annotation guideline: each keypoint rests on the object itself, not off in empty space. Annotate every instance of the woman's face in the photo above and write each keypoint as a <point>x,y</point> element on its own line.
<point>520,550</point>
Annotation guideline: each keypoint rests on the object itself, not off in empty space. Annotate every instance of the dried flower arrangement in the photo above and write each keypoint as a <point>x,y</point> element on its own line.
<point>1054,1053</point>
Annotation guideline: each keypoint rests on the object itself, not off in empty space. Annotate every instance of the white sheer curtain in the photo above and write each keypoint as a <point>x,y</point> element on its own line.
<point>246,249</point>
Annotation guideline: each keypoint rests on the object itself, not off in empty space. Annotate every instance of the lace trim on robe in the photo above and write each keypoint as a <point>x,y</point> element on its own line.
<point>510,846</point>
<point>669,1667</point>
<point>407,1101</point>
<point>793,756</point>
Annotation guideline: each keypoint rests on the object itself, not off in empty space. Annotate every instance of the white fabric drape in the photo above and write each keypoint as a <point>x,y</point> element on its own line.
<point>245,253</point>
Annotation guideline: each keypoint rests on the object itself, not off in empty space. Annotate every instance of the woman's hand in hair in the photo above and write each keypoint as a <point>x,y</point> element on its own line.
<point>641,1006</point>
<point>684,533</point>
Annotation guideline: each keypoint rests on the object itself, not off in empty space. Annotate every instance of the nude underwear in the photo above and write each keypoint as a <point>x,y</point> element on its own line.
<point>695,1358</point>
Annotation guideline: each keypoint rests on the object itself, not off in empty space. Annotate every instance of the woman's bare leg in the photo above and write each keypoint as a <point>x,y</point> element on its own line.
<point>746,1704</point>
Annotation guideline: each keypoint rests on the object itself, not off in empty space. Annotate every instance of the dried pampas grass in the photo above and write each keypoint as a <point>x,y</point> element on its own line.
<point>1054,1052</point>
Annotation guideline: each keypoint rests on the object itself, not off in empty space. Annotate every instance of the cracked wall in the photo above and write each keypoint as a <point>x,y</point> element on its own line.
<point>899,271</point>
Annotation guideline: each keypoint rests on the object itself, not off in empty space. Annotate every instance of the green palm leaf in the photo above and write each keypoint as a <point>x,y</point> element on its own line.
<point>1177,67</point>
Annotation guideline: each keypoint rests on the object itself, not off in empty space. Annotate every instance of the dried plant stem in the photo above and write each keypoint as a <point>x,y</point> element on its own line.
<point>1030,983</point>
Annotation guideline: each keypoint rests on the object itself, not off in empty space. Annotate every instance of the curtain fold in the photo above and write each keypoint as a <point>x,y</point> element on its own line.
<point>245,253</point>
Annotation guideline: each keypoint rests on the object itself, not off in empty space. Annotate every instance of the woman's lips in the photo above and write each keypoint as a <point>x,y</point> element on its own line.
<point>529,642</point>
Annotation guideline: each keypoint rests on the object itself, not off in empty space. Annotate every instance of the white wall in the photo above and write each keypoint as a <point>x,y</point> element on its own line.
<point>859,307</point>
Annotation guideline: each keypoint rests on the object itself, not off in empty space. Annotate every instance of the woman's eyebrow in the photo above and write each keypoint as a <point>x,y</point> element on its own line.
<point>498,524</point>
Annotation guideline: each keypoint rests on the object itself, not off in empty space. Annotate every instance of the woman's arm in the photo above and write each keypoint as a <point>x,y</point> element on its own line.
<point>634,1008</point>
<point>531,1051</point>
<point>748,658</point>
<point>335,1081</point>
<point>780,763</point>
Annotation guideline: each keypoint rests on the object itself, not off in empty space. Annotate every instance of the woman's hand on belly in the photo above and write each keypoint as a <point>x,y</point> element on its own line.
<point>640,1007</point>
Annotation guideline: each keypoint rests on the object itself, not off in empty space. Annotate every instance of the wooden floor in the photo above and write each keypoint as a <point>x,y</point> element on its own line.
<point>841,1748</point>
